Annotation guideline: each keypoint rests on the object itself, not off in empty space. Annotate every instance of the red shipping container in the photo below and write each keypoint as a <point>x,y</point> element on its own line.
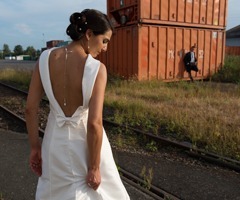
<point>156,52</point>
<point>192,13</point>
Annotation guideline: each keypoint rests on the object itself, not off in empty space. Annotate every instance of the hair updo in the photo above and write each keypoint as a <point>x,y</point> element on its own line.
<point>88,19</point>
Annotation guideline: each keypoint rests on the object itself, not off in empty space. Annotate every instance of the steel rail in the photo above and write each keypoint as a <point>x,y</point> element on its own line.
<point>154,192</point>
<point>190,149</point>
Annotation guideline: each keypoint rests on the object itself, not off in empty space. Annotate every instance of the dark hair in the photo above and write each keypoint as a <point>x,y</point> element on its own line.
<point>91,19</point>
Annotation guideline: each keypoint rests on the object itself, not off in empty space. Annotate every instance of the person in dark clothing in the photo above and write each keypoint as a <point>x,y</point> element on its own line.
<point>190,62</point>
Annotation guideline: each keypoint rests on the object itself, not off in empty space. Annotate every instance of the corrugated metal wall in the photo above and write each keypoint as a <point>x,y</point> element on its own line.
<point>151,51</point>
<point>204,13</point>
<point>158,33</point>
<point>232,50</point>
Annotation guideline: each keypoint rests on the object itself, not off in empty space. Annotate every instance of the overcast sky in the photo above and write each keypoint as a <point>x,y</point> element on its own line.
<point>33,22</point>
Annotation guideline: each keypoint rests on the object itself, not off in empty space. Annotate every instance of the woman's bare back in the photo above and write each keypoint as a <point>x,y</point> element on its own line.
<point>66,75</point>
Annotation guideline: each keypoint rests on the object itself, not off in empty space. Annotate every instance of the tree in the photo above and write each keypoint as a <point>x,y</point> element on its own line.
<point>31,52</point>
<point>38,53</point>
<point>18,50</point>
<point>6,50</point>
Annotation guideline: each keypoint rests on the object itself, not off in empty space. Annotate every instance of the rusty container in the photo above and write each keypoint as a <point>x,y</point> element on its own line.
<point>192,13</point>
<point>53,43</point>
<point>156,52</point>
<point>232,50</point>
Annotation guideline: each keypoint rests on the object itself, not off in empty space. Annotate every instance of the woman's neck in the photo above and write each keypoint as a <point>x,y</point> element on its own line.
<point>77,47</point>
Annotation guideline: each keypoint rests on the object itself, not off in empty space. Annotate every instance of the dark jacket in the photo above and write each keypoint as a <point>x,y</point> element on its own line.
<point>187,58</point>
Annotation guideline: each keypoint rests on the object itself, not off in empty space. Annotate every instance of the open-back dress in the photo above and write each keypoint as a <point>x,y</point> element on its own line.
<point>65,150</point>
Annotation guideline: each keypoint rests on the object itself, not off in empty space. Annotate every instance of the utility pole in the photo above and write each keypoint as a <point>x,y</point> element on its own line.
<point>43,40</point>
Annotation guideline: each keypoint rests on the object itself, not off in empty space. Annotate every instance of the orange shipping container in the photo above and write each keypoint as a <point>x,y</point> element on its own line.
<point>156,52</point>
<point>232,50</point>
<point>193,13</point>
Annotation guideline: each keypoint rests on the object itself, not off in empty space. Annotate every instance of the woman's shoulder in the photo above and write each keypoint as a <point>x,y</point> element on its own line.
<point>97,62</point>
<point>48,51</point>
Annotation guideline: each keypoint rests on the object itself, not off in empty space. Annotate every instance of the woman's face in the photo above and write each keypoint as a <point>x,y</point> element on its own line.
<point>99,43</point>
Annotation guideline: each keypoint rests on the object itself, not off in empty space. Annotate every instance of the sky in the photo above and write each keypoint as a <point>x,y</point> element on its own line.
<point>34,22</point>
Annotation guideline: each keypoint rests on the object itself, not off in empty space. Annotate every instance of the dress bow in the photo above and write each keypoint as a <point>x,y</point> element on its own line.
<point>73,121</point>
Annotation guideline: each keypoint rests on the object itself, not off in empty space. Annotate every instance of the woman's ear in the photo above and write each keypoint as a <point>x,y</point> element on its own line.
<point>89,34</point>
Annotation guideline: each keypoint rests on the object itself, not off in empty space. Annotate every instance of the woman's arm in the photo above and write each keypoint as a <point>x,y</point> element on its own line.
<point>95,128</point>
<point>31,113</point>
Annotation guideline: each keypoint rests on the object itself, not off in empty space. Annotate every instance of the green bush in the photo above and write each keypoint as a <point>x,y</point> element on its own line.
<point>230,72</point>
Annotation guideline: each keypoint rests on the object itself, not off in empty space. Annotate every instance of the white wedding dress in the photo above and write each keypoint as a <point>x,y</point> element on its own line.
<point>64,148</point>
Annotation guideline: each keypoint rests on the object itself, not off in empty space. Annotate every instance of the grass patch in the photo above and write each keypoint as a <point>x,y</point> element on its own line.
<point>230,72</point>
<point>204,113</point>
<point>19,78</point>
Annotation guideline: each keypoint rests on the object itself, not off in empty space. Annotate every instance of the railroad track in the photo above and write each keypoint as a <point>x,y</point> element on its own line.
<point>187,147</point>
<point>136,182</point>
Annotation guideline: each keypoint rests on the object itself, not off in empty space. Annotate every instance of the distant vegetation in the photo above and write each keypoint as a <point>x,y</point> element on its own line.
<point>230,72</point>
<point>5,51</point>
<point>203,113</point>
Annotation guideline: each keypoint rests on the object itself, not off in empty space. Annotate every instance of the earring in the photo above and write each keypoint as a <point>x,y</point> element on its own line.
<point>88,45</point>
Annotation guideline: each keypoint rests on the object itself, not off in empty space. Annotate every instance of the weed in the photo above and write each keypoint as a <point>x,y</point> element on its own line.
<point>119,141</point>
<point>230,72</point>
<point>147,177</point>
<point>152,146</point>
<point>1,196</point>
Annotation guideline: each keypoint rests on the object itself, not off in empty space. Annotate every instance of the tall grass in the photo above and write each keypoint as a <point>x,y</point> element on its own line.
<point>19,78</point>
<point>231,70</point>
<point>206,114</point>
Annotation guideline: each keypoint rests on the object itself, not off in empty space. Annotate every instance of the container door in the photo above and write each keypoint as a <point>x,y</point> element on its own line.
<point>194,41</point>
<point>207,54</point>
<point>188,11</point>
<point>210,12</point>
<point>144,52</point>
<point>164,10</point>
<point>148,52</point>
<point>131,52</point>
<point>122,54</point>
<point>203,12</point>
<point>220,50</point>
<point>162,53</point>
<point>213,52</point>
<point>153,52</point>
<point>223,9</point>
<point>181,11</point>
<point>155,9</point>
<point>170,53</point>
<point>200,52</point>
<point>216,12</point>
<point>173,10</point>
<point>134,37</point>
<point>196,14</point>
<point>186,46</point>
<point>179,65</point>
<point>145,9</point>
